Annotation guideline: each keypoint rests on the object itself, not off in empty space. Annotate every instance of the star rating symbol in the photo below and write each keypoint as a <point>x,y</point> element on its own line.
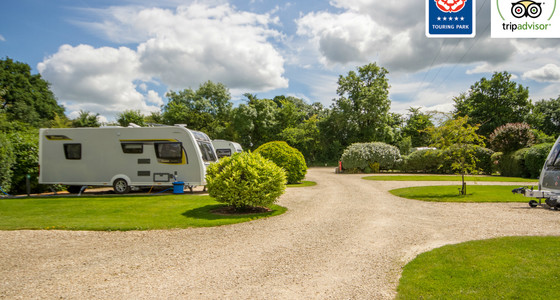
<point>451,19</point>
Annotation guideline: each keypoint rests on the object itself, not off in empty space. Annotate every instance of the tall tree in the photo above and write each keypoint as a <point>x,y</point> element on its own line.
<point>416,126</point>
<point>493,103</point>
<point>207,109</point>
<point>26,97</point>
<point>363,105</point>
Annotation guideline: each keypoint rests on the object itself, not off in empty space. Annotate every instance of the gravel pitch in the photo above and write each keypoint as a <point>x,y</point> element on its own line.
<point>345,238</point>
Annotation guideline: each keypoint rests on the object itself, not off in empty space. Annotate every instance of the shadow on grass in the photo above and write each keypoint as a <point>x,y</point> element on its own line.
<point>205,212</point>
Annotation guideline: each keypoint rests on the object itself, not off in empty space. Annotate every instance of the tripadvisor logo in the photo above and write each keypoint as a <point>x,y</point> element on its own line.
<point>525,19</point>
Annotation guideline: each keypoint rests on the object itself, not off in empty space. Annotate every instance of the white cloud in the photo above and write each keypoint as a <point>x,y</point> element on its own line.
<point>192,44</point>
<point>103,77</point>
<point>343,38</point>
<point>547,73</point>
<point>393,34</point>
<point>2,39</point>
<point>179,48</point>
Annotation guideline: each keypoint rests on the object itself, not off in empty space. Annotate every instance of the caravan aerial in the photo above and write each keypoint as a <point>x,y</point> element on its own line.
<point>124,157</point>
<point>226,148</point>
<point>549,181</point>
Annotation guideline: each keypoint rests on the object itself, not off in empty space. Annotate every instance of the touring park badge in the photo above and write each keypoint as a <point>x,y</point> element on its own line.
<point>450,18</point>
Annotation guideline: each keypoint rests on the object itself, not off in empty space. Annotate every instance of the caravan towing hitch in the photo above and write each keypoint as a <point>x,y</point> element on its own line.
<point>551,199</point>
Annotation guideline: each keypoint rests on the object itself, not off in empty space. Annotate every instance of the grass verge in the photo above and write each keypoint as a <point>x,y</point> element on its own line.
<point>447,178</point>
<point>450,193</point>
<point>505,268</point>
<point>302,184</point>
<point>118,213</point>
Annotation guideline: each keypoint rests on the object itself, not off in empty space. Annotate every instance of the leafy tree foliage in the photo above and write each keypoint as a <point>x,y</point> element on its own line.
<point>493,103</point>
<point>131,116</point>
<point>86,119</point>
<point>460,140</point>
<point>546,116</point>
<point>416,126</point>
<point>26,97</point>
<point>7,160</point>
<point>207,109</point>
<point>361,113</point>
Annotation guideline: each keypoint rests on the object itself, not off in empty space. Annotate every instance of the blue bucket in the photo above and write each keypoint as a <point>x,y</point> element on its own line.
<point>178,187</point>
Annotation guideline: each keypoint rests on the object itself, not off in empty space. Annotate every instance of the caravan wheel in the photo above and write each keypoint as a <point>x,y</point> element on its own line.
<point>121,186</point>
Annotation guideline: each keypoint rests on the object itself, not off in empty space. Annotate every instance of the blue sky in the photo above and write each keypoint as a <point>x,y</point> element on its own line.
<point>108,56</point>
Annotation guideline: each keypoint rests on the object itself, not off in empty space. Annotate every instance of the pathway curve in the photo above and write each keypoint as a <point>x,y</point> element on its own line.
<point>345,238</point>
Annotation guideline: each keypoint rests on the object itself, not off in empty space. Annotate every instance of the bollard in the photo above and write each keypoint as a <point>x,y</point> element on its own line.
<point>28,184</point>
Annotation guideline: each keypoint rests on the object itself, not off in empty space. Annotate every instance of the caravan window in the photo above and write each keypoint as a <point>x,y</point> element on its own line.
<point>132,148</point>
<point>553,156</point>
<point>169,152</point>
<point>223,152</point>
<point>73,151</point>
<point>207,151</point>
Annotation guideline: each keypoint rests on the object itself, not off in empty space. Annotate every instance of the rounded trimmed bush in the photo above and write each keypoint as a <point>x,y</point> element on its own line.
<point>363,156</point>
<point>245,180</point>
<point>286,157</point>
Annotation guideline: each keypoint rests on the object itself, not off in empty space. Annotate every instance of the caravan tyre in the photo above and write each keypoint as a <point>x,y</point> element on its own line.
<point>121,186</point>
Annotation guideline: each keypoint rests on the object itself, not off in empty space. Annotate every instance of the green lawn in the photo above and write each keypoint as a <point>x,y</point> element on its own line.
<point>424,177</point>
<point>450,193</point>
<point>117,213</point>
<point>302,184</point>
<point>503,268</point>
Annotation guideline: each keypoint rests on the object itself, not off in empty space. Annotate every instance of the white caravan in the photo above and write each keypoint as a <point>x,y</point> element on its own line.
<point>226,148</point>
<point>124,157</point>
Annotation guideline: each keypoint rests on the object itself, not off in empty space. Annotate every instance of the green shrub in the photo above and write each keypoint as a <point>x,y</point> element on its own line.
<point>361,155</point>
<point>511,137</point>
<point>496,158</point>
<point>425,161</point>
<point>484,160</point>
<point>535,158</point>
<point>286,157</point>
<point>245,180</point>
<point>513,164</point>
<point>7,160</point>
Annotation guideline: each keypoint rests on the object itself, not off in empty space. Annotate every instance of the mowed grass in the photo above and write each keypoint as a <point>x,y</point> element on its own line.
<point>118,213</point>
<point>447,178</point>
<point>450,193</point>
<point>304,183</point>
<point>502,268</point>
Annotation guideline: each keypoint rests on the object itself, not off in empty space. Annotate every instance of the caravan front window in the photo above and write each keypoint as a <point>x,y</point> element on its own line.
<point>207,151</point>
<point>553,158</point>
<point>169,152</point>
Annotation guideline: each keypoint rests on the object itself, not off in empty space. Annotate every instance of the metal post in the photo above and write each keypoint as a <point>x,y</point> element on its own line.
<point>28,184</point>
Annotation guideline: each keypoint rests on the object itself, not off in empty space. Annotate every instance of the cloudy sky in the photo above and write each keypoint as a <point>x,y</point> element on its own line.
<point>108,56</point>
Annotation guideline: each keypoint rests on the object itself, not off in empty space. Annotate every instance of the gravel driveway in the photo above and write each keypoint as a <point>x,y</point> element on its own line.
<point>345,238</point>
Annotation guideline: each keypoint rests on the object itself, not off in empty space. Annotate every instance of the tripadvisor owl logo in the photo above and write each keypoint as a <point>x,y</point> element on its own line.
<point>525,19</point>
